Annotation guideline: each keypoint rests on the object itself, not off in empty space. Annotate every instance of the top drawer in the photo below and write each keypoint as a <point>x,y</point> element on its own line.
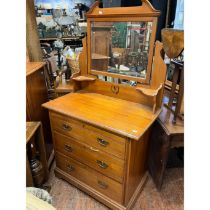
<point>88,134</point>
<point>67,126</point>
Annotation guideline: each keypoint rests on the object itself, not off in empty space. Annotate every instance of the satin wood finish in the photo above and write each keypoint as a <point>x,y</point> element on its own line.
<point>101,131</point>
<point>173,42</point>
<point>118,116</point>
<point>149,95</point>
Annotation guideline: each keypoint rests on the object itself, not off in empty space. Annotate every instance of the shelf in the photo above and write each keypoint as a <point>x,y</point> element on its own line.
<point>137,116</point>
<point>63,38</point>
<point>83,79</point>
<point>96,56</point>
<point>149,92</point>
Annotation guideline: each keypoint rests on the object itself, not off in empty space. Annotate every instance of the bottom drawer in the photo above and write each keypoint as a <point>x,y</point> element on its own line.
<point>99,182</point>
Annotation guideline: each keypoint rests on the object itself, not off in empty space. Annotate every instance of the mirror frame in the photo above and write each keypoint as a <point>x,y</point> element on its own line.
<point>144,13</point>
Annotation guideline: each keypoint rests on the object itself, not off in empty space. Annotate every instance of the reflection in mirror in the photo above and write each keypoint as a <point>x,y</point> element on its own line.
<point>120,47</point>
<point>117,80</point>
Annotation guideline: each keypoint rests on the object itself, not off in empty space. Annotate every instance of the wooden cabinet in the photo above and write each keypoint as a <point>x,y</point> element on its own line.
<point>101,130</point>
<point>164,136</point>
<point>103,153</point>
<point>36,95</point>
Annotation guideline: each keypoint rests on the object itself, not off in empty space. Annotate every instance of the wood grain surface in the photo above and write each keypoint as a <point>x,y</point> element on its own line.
<point>66,196</point>
<point>94,137</point>
<point>166,118</point>
<point>31,67</point>
<point>173,41</point>
<point>90,177</point>
<point>90,156</point>
<point>106,112</point>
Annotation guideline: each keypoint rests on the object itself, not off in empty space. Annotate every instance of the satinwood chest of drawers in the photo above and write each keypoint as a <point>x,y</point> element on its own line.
<point>100,148</point>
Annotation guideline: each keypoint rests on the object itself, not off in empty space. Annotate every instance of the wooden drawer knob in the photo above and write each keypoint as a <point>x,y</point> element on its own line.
<point>66,127</point>
<point>68,148</point>
<point>102,185</point>
<point>102,164</point>
<point>102,142</point>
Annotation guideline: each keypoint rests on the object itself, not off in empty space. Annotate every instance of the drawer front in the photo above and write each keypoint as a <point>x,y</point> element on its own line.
<point>90,135</point>
<point>102,162</point>
<point>67,126</point>
<point>105,141</point>
<point>90,177</point>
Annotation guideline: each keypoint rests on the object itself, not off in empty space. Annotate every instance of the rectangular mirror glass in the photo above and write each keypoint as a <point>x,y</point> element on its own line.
<point>121,47</point>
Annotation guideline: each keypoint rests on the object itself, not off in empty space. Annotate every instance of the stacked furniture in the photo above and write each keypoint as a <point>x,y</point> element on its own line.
<point>36,95</point>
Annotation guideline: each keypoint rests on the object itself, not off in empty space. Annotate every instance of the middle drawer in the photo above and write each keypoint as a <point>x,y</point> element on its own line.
<point>106,164</point>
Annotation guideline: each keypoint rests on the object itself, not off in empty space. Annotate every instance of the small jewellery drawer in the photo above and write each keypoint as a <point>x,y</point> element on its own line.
<point>67,126</point>
<point>106,164</point>
<point>90,177</point>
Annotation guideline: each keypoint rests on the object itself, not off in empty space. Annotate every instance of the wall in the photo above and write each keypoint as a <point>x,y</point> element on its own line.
<point>179,19</point>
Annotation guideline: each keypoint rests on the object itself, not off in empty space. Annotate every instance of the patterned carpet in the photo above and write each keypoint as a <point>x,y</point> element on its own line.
<point>171,197</point>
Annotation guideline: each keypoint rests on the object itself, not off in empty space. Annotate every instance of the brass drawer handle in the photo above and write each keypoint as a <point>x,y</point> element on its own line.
<point>102,185</point>
<point>68,148</point>
<point>66,127</point>
<point>102,142</point>
<point>102,164</point>
<point>70,168</point>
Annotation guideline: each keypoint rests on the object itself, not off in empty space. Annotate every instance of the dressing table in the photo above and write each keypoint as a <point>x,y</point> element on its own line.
<point>101,130</point>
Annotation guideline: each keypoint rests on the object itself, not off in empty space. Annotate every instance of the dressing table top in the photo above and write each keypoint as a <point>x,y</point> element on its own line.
<point>121,117</point>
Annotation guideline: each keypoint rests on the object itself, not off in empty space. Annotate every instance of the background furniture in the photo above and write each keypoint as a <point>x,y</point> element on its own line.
<point>34,134</point>
<point>73,42</point>
<point>173,44</point>
<point>101,37</point>
<point>64,87</point>
<point>101,130</point>
<point>36,95</point>
<point>164,136</point>
<point>177,80</point>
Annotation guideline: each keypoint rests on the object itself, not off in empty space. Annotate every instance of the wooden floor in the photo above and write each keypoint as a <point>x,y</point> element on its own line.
<point>171,197</point>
